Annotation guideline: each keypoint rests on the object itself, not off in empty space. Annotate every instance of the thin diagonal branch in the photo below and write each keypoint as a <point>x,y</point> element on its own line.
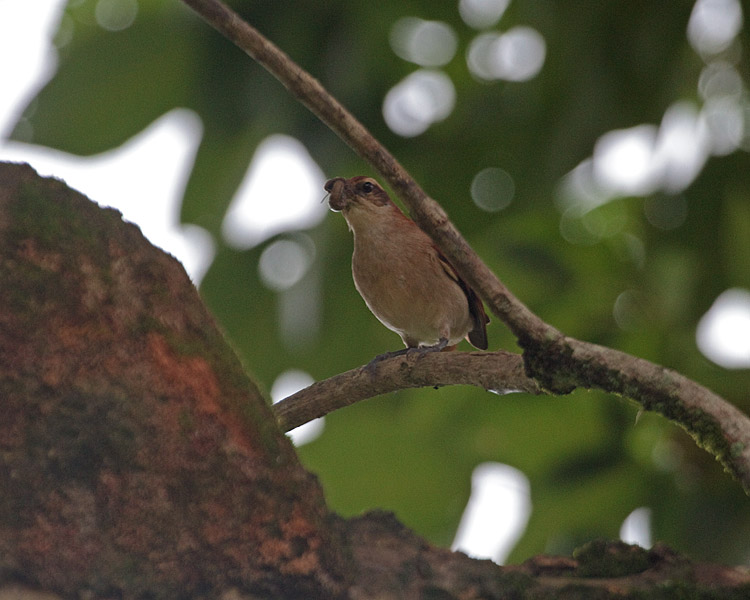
<point>428,213</point>
<point>559,363</point>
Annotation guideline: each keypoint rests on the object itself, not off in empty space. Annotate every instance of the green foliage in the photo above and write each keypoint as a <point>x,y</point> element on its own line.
<point>609,65</point>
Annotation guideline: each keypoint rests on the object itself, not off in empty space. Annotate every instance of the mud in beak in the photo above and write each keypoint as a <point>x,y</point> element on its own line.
<point>336,187</point>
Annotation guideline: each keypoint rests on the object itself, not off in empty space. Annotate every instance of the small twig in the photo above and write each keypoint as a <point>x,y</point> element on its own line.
<point>559,363</point>
<point>500,372</point>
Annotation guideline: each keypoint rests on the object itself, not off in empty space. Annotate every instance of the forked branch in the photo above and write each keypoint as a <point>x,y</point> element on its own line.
<point>557,362</point>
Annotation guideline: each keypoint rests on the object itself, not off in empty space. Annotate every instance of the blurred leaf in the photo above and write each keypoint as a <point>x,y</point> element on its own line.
<point>113,84</point>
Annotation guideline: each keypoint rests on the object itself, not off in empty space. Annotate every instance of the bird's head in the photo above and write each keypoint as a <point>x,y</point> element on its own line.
<point>364,204</point>
<point>356,193</point>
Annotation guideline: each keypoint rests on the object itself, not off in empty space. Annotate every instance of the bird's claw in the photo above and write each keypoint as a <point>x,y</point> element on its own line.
<point>408,352</point>
<point>439,347</point>
<point>370,366</point>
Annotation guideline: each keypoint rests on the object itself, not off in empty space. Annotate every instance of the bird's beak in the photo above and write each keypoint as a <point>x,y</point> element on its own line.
<point>336,187</point>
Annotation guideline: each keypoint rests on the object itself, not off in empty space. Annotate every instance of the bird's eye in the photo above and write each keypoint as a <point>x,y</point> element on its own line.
<point>367,187</point>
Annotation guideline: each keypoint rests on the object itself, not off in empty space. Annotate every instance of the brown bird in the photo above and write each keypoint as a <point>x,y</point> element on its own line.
<point>403,278</point>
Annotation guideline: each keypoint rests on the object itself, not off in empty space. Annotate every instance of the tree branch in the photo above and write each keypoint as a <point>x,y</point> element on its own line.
<point>559,363</point>
<point>500,372</point>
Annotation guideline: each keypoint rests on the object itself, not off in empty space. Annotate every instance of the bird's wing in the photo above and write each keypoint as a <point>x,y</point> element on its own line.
<point>478,334</point>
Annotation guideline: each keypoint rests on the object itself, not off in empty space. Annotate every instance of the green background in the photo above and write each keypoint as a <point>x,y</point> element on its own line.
<point>609,65</point>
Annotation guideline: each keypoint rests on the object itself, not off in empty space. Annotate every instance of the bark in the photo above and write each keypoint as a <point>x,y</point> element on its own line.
<point>138,459</point>
<point>136,454</point>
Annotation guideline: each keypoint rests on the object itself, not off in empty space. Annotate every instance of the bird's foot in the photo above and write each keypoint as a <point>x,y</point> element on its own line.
<point>370,366</point>
<point>408,352</point>
<point>439,347</point>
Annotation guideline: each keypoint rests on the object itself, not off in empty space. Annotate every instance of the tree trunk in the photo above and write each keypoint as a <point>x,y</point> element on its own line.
<point>138,459</point>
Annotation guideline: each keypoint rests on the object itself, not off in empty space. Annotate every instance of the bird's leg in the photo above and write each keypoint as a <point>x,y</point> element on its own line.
<point>440,346</point>
<point>380,357</point>
<point>419,351</point>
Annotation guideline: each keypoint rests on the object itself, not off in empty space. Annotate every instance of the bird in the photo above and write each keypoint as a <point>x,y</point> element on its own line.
<point>402,276</point>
